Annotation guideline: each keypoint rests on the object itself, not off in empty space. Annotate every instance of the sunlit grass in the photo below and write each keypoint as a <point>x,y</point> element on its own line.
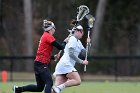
<point>86,87</point>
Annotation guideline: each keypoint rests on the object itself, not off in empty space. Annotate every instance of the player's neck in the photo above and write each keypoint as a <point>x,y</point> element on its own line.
<point>76,37</point>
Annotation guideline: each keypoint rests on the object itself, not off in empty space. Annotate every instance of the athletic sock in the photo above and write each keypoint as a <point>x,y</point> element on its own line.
<point>62,86</point>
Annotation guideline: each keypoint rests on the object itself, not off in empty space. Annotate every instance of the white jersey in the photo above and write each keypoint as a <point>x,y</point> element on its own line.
<point>66,63</point>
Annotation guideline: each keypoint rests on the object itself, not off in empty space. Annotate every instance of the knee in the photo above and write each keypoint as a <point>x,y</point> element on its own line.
<point>78,82</point>
<point>40,89</point>
<point>49,83</point>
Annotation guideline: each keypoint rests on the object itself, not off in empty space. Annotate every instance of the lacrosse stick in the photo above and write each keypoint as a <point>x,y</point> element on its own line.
<point>91,20</point>
<point>82,12</point>
<point>70,31</point>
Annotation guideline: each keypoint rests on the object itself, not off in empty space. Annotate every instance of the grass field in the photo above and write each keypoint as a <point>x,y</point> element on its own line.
<point>86,87</point>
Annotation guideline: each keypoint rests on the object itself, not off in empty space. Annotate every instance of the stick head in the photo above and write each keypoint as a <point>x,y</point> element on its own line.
<point>91,20</point>
<point>82,12</point>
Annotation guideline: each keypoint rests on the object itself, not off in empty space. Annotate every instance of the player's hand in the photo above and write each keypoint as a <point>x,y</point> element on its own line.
<point>56,57</point>
<point>88,40</point>
<point>85,62</point>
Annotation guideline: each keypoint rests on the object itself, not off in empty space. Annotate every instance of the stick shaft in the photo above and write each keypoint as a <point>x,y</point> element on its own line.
<point>87,47</point>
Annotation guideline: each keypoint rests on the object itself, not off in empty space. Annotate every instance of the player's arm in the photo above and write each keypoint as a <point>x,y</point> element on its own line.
<point>58,45</point>
<point>78,60</point>
<point>71,54</point>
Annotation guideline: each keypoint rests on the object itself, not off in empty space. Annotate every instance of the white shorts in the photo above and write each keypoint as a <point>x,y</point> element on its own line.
<point>63,69</point>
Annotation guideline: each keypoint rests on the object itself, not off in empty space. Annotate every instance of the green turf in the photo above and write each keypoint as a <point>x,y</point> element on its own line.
<point>87,87</point>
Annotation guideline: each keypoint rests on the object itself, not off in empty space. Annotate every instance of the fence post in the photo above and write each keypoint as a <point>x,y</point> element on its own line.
<point>11,70</point>
<point>116,70</point>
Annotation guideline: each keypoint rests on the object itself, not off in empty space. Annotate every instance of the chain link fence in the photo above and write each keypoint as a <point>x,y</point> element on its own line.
<point>100,68</point>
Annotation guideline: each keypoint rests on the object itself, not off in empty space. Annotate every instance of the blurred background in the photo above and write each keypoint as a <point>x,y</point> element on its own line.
<point>115,50</point>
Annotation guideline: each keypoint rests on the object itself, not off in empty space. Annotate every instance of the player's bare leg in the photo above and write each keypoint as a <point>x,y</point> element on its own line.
<point>73,79</point>
<point>59,79</point>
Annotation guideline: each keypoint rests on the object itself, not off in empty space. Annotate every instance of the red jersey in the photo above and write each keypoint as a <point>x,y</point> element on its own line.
<point>45,48</point>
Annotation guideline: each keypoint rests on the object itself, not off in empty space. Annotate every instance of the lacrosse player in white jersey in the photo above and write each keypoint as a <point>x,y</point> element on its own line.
<point>65,73</point>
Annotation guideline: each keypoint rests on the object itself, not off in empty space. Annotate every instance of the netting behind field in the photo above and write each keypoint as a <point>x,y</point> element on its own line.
<point>113,68</point>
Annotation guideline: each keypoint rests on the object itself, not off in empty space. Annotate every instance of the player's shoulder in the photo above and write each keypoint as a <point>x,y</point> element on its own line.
<point>72,38</point>
<point>48,37</point>
<point>46,34</point>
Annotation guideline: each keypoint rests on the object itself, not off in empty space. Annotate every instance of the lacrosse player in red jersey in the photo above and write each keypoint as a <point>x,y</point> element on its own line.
<point>65,73</point>
<point>42,74</point>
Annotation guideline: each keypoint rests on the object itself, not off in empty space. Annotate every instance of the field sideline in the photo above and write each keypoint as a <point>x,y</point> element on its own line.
<point>86,87</point>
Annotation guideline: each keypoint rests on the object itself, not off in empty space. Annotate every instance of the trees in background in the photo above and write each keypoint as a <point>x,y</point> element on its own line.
<point>117,21</point>
<point>120,33</point>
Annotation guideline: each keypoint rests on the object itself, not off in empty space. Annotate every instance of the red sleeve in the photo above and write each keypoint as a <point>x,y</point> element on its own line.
<point>50,38</point>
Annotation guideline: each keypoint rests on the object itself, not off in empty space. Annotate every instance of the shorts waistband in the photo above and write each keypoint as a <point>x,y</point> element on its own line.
<point>40,63</point>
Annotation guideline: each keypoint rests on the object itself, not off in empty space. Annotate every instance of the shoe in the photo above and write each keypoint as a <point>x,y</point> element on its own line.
<point>56,89</point>
<point>15,89</point>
